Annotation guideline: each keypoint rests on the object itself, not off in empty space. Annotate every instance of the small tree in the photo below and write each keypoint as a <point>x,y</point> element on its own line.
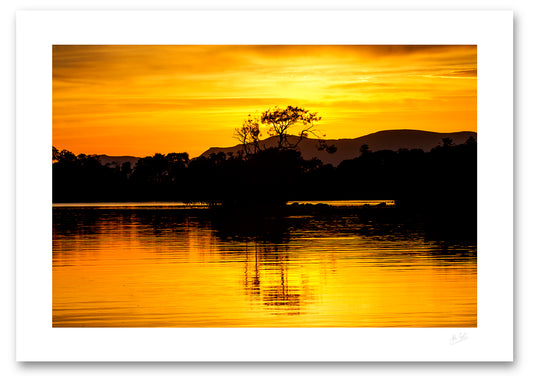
<point>471,141</point>
<point>279,123</point>
<point>322,145</point>
<point>66,157</point>
<point>248,134</point>
<point>281,120</point>
<point>55,154</point>
<point>447,142</point>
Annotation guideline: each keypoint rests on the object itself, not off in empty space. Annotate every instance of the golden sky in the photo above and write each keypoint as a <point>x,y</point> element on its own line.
<point>141,100</point>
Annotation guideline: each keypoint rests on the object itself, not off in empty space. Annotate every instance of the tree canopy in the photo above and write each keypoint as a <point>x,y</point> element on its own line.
<point>281,123</point>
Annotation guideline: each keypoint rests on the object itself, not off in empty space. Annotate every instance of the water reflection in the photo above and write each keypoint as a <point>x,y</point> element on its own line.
<point>173,267</point>
<point>268,279</point>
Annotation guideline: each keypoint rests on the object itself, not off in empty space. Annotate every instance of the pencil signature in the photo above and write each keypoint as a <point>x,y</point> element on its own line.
<point>456,338</point>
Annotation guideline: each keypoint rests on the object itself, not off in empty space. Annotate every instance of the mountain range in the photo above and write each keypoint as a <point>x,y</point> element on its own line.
<point>347,148</point>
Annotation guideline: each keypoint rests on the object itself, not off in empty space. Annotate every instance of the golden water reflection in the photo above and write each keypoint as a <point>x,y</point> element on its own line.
<point>180,268</point>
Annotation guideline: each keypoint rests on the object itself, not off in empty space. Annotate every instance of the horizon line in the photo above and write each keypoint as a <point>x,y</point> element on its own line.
<point>270,137</point>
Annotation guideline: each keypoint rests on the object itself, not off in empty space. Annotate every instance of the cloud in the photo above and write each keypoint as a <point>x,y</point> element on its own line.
<point>217,86</point>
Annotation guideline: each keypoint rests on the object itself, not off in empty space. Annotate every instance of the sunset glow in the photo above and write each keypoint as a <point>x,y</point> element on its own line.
<point>139,100</point>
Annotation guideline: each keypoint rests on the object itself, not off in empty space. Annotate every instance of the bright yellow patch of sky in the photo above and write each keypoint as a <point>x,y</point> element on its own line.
<point>139,100</point>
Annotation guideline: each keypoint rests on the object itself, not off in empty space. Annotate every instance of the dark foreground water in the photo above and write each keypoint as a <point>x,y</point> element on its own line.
<point>154,266</point>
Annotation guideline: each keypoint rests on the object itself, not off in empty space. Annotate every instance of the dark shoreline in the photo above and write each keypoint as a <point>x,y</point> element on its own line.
<point>454,225</point>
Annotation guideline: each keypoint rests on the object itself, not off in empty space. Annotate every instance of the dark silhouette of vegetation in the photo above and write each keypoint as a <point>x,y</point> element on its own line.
<point>272,175</point>
<point>437,188</point>
<point>440,185</point>
<point>279,122</point>
<point>83,178</point>
<point>249,134</point>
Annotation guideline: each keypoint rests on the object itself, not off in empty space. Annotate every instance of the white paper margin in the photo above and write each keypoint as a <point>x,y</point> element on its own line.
<point>491,31</point>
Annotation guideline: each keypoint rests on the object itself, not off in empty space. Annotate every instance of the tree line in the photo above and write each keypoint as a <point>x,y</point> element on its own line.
<point>271,176</point>
<point>443,180</point>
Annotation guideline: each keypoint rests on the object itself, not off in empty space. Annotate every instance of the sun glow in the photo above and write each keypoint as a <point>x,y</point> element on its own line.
<point>139,100</point>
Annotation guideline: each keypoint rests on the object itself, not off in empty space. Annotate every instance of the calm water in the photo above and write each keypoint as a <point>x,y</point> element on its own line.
<point>170,266</point>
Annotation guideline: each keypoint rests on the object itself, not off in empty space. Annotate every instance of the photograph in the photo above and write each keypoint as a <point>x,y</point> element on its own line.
<point>265,186</point>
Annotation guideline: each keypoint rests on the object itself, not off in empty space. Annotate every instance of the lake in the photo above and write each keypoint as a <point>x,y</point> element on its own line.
<point>171,265</point>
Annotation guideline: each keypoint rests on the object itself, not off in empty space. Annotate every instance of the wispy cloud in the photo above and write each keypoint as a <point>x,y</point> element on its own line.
<point>192,97</point>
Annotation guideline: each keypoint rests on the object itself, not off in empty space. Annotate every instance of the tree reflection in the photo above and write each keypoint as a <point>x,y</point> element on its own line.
<point>280,261</point>
<point>267,276</point>
<point>262,228</point>
<point>268,279</point>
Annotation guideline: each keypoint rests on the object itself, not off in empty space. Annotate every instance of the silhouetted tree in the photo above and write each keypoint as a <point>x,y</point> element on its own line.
<point>279,123</point>
<point>66,157</point>
<point>126,169</point>
<point>322,145</point>
<point>248,135</point>
<point>447,142</point>
<point>281,120</point>
<point>471,141</point>
<point>439,186</point>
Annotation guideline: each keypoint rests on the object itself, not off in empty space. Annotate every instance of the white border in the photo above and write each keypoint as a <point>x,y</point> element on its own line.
<point>490,30</point>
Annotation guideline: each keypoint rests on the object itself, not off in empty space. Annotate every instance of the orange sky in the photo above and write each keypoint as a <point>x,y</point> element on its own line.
<point>141,100</point>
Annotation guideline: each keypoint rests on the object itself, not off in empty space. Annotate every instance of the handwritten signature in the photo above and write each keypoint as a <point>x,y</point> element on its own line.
<point>456,338</point>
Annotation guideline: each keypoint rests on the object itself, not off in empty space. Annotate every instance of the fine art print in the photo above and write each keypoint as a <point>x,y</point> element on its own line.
<point>264,186</point>
<point>338,187</point>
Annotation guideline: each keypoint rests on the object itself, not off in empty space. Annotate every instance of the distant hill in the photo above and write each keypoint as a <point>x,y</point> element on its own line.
<point>348,148</point>
<point>116,161</point>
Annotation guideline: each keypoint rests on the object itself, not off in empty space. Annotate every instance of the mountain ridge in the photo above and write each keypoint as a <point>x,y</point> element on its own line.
<point>349,148</point>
